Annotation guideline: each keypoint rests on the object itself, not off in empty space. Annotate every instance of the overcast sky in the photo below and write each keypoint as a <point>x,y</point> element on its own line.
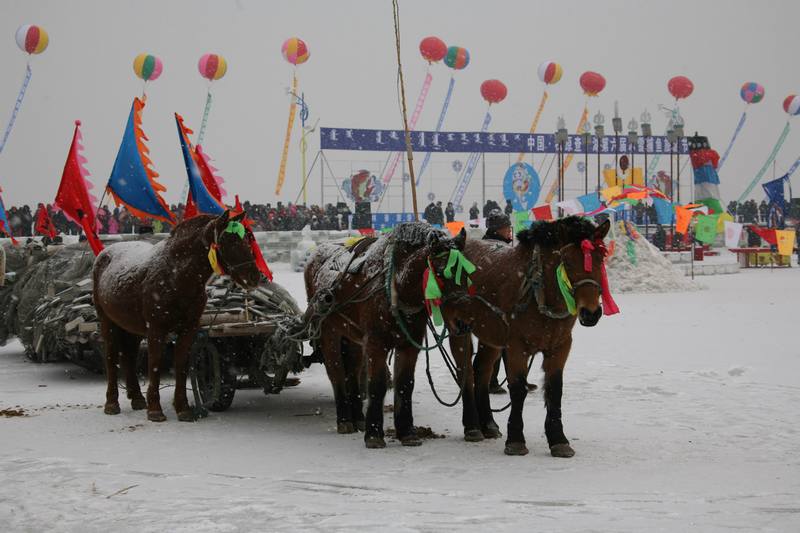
<point>349,80</point>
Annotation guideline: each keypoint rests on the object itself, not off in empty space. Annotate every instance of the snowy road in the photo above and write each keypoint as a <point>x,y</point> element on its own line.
<point>683,412</point>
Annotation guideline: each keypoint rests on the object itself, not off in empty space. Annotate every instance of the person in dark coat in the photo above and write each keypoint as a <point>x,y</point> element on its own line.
<point>450,212</point>
<point>430,213</point>
<point>498,228</point>
<point>439,213</point>
<point>474,211</point>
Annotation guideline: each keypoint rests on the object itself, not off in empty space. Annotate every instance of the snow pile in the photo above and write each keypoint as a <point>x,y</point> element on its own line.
<point>640,267</point>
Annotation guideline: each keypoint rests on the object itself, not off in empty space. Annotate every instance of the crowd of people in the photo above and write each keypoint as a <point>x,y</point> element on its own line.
<point>280,217</point>
<point>115,220</point>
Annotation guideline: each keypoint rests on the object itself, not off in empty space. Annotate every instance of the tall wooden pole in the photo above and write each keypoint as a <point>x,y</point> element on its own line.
<point>409,151</point>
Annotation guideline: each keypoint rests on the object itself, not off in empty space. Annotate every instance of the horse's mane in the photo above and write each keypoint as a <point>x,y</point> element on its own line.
<point>417,234</point>
<point>189,229</point>
<point>571,229</point>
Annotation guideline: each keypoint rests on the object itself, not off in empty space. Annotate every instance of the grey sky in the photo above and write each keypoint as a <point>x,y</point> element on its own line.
<point>350,79</point>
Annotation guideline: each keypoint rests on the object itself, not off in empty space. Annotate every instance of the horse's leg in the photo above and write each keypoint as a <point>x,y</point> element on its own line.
<point>155,347</point>
<point>553,364</point>
<point>183,345</point>
<point>111,335</point>
<point>461,348</point>
<point>334,366</point>
<point>130,354</point>
<point>516,371</point>
<point>485,362</point>
<point>376,354</point>
<point>405,362</point>
<point>354,366</point>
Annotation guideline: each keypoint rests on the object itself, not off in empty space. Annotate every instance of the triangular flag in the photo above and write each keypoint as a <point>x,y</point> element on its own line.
<point>73,196</point>
<point>201,199</point>
<point>133,180</point>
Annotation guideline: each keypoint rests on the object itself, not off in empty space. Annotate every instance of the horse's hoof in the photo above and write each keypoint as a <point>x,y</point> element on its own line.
<point>492,431</point>
<point>411,440</point>
<point>156,416</point>
<point>561,450</point>
<point>137,404</point>
<point>516,448</point>
<point>473,435</point>
<point>111,409</point>
<point>345,427</point>
<point>374,442</point>
<point>361,425</point>
<point>186,416</point>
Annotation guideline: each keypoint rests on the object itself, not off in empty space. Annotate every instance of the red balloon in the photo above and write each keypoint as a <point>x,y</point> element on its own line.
<point>592,83</point>
<point>680,87</point>
<point>432,49</point>
<point>493,91</point>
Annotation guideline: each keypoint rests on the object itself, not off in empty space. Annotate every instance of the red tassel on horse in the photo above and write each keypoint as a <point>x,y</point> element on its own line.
<point>259,258</point>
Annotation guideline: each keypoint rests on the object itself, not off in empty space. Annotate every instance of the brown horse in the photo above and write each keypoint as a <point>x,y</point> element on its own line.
<point>372,310</point>
<point>150,291</point>
<point>519,285</point>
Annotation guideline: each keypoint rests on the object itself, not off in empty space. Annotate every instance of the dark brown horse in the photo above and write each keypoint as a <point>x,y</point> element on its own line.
<point>150,291</point>
<point>370,312</point>
<point>519,285</point>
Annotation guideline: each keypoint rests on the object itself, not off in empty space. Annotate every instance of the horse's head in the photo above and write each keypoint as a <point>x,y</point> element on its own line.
<point>233,251</point>
<point>580,272</point>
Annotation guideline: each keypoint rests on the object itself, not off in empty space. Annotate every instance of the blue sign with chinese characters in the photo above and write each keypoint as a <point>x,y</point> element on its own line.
<point>488,142</point>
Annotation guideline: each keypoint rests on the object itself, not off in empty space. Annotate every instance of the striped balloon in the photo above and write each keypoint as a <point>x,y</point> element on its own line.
<point>148,67</point>
<point>792,104</point>
<point>212,66</point>
<point>32,39</point>
<point>295,51</point>
<point>550,72</point>
<point>752,92</point>
<point>457,58</point>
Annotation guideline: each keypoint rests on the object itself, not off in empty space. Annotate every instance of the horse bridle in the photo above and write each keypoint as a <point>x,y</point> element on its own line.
<point>230,268</point>
<point>579,283</point>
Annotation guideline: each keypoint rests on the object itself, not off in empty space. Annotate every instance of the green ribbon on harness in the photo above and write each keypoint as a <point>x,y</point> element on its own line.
<point>461,263</point>
<point>433,295</point>
<point>237,228</point>
<point>565,286</point>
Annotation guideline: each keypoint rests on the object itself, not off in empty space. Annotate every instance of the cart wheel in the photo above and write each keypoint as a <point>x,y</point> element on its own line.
<point>213,376</point>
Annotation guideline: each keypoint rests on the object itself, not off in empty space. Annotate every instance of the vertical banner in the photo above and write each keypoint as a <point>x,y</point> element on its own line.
<point>469,169</point>
<point>535,122</point>
<point>733,140</point>
<point>439,124</point>
<point>287,139</point>
<point>767,163</point>
<point>785,241</point>
<point>412,123</point>
<point>17,105</point>
<point>568,159</point>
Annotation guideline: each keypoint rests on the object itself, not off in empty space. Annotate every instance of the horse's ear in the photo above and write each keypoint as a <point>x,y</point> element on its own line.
<point>461,239</point>
<point>602,230</point>
<point>222,220</point>
<point>239,217</point>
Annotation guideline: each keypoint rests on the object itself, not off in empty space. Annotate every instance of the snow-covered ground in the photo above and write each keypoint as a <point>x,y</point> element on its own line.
<point>683,411</point>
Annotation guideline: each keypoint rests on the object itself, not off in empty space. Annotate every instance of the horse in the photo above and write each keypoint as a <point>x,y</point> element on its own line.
<point>520,285</point>
<point>371,310</point>
<point>149,291</point>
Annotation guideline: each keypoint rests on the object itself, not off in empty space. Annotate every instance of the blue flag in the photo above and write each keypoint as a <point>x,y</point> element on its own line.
<point>664,211</point>
<point>774,191</point>
<point>590,202</point>
<point>132,180</point>
<point>203,199</point>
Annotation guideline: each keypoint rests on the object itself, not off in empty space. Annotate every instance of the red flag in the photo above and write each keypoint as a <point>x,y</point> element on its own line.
<point>73,192</point>
<point>44,226</point>
<point>766,234</point>
<point>543,212</point>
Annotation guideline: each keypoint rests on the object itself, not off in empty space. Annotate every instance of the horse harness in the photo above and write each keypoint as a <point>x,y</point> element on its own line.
<point>214,249</point>
<point>532,288</point>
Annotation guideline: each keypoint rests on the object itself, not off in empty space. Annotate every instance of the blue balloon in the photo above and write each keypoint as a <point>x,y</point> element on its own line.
<point>521,186</point>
